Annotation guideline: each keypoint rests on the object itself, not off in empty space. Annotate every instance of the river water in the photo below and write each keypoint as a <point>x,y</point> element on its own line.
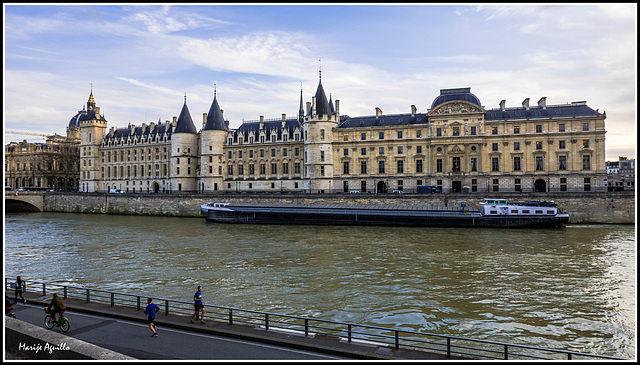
<point>572,288</point>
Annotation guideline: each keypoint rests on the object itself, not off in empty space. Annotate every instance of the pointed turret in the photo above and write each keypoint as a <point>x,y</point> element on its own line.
<point>333,110</point>
<point>215,120</point>
<point>322,104</point>
<point>91,103</point>
<point>185,123</point>
<point>301,111</point>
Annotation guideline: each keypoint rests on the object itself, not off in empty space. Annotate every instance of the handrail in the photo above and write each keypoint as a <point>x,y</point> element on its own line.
<point>399,338</point>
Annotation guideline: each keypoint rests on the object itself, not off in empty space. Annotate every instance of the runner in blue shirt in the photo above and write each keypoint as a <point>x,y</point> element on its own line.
<point>198,305</point>
<point>150,311</point>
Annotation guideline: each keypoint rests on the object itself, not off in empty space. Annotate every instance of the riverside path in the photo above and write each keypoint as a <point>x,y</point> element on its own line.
<point>125,331</point>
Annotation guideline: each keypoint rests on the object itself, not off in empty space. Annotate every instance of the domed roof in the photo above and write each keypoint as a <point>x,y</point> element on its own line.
<point>461,94</point>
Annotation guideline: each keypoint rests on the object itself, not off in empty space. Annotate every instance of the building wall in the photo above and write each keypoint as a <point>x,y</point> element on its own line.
<point>608,207</point>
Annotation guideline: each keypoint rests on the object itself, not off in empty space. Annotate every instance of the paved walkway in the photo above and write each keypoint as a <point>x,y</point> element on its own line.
<point>125,330</point>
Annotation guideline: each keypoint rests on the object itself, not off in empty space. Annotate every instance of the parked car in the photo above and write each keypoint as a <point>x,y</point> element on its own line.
<point>116,191</point>
<point>397,192</point>
<point>355,192</point>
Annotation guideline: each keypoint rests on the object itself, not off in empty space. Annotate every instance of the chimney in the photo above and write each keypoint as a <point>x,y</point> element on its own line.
<point>152,126</point>
<point>413,110</point>
<point>543,102</point>
<point>284,121</point>
<point>378,112</point>
<point>261,122</point>
<point>204,119</point>
<point>502,102</point>
<point>338,107</point>
<point>308,108</point>
<point>525,103</point>
<point>313,106</point>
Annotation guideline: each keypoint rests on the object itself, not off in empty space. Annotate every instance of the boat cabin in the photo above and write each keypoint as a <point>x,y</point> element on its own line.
<point>494,207</point>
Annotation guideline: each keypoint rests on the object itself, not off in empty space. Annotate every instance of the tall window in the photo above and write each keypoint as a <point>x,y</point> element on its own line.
<point>439,165</point>
<point>474,164</point>
<point>363,167</point>
<point>539,163</point>
<point>400,165</point>
<point>345,168</point>
<point>562,162</point>
<point>455,162</point>
<point>418,166</point>
<point>516,163</point>
<point>495,164</point>
<point>381,167</point>
<point>586,162</point>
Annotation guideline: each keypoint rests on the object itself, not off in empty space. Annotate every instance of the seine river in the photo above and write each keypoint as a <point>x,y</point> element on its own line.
<point>572,288</point>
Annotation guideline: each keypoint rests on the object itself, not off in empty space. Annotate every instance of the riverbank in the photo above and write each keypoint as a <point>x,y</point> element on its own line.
<point>583,208</point>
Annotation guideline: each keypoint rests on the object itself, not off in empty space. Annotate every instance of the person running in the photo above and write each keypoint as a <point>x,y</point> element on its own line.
<point>19,287</point>
<point>198,305</point>
<point>150,311</point>
<point>56,306</point>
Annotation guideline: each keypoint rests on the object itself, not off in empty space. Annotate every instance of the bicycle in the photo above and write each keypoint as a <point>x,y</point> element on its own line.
<point>63,322</point>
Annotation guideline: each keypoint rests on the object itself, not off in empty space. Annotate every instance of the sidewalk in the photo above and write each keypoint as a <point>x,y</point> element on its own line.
<point>278,337</point>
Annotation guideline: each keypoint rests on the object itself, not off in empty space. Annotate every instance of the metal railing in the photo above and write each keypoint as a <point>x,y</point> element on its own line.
<point>446,345</point>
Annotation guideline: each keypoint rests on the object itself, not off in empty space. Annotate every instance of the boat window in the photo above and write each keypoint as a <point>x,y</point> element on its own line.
<point>539,211</point>
<point>526,211</point>
<point>514,211</point>
<point>550,212</point>
<point>493,212</point>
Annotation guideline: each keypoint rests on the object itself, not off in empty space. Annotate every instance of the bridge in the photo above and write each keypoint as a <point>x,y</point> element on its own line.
<point>23,201</point>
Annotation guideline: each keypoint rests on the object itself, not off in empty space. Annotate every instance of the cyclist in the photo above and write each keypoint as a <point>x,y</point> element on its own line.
<point>56,306</point>
<point>8,306</point>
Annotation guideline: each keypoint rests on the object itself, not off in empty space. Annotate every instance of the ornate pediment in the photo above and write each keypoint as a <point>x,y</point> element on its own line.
<point>456,108</point>
<point>456,150</point>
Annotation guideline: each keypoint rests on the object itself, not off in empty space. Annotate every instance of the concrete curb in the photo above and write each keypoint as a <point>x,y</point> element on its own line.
<point>28,341</point>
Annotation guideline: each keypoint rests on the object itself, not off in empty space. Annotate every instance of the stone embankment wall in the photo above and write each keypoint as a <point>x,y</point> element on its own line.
<point>609,207</point>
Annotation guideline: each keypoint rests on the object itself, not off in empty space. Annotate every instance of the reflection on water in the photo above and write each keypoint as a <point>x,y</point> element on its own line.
<point>570,288</point>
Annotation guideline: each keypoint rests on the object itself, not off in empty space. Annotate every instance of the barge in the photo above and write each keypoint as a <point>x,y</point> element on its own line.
<point>493,213</point>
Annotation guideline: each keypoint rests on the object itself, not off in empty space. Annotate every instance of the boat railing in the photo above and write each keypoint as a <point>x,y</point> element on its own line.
<point>387,337</point>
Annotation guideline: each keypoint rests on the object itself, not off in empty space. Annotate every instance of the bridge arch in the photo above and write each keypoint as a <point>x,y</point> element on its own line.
<point>23,202</point>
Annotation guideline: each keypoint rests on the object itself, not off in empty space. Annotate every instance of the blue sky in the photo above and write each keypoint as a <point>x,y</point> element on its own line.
<point>142,59</point>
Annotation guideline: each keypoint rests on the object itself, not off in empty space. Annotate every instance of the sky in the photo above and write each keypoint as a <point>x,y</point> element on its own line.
<point>141,60</point>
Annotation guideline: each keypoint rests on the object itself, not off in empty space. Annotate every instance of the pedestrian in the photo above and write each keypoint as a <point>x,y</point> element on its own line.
<point>150,311</point>
<point>198,305</point>
<point>19,287</point>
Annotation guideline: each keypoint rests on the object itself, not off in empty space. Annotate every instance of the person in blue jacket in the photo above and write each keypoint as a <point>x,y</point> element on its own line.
<point>198,305</point>
<point>150,311</point>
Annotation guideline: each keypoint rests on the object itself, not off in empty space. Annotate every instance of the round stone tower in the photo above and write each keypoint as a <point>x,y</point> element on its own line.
<point>318,139</point>
<point>212,138</point>
<point>184,153</point>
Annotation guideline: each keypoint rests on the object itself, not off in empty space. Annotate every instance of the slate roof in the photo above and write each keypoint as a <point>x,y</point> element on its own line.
<point>215,120</point>
<point>383,120</point>
<point>463,94</point>
<point>84,115</point>
<point>184,123</point>
<point>322,104</point>
<point>290,125</point>
<point>551,111</point>
<point>159,129</point>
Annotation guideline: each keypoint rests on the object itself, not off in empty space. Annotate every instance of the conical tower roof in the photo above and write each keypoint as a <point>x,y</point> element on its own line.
<point>322,104</point>
<point>215,120</point>
<point>185,123</point>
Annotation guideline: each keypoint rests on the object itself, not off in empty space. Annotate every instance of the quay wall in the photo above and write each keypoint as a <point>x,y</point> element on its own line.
<point>587,208</point>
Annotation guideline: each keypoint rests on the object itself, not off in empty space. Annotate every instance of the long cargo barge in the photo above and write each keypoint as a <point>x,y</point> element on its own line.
<point>494,213</point>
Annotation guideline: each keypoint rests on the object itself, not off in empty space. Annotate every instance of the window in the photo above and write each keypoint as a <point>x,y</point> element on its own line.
<point>586,162</point>
<point>381,150</point>
<point>400,150</point>
<point>585,126</point>
<point>321,155</point>
<point>474,184</point>
<point>585,143</point>
<point>346,152</point>
<point>538,145</point>
<point>274,168</point>
<point>517,185</point>
<point>273,152</point>
<point>539,163</point>
<point>380,135</point>
<point>455,162</point>
<point>456,131</point>
<point>345,168</point>
<point>562,162</point>
<point>363,167</point>
<point>587,184</point>
<point>363,186</point>
<point>494,146</point>
<point>296,168</point>
<point>496,185</point>
<point>516,129</point>
<point>438,132</point>
<point>563,184</point>
<point>561,127</point>
<point>419,133</point>
<point>474,164</point>
<point>516,146</point>
<point>419,166</point>
<point>418,149</point>
<point>230,170</point>
<point>363,151</point>
<point>321,170</point>
<point>363,136</point>
<point>381,167</point>
<point>494,130</point>
<point>562,145</point>
<point>252,169</point>
<point>538,128</point>
<point>263,169</point>
<point>322,134</point>
<point>516,163</point>
<point>473,131</point>
<point>399,134</point>
<point>495,164</point>
<point>240,170</point>
<point>400,165</point>
<point>439,165</point>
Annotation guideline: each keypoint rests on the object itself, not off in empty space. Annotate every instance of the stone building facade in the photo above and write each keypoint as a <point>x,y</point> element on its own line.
<point>52,164</point>
<point>456,145</point>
